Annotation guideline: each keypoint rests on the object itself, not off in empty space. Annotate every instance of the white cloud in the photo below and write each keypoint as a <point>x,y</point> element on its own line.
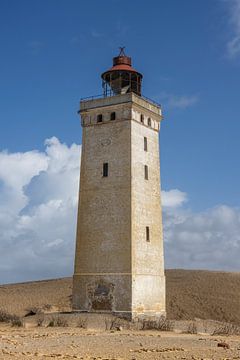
<point>173,198</point>
<point>182,102</point>
<point>204,240</point>
<point>16,171</point>
<point>179,101</point>
<point>38,206</point>
<point>233,46</point>
<point>38,202</point>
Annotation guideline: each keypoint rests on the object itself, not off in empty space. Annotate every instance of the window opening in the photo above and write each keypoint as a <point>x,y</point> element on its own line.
<point>146,172</point>
<point>113,116</point>
<point>105,169</point>
<point>145,144</point>
<point>147,233</point>
<point>99,118</point>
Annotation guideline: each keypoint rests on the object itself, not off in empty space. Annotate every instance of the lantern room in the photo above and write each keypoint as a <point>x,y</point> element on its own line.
<point>122,78</point>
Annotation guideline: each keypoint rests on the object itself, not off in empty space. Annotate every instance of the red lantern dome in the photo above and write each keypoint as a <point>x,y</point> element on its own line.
<point>121,78</point>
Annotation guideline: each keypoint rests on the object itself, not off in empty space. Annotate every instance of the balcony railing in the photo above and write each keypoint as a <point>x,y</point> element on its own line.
<point>111,93</point>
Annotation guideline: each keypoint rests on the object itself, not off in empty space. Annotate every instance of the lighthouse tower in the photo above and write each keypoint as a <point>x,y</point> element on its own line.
<point>119,246</point>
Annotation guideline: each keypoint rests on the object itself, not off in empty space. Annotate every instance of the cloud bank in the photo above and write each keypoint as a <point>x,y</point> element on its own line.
<point>38,208</point>
<point>204,240</point>
<point>38,201</point>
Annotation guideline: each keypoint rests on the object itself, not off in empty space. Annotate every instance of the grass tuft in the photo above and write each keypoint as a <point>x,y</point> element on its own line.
<point>161,324</point>
<point>227,329</point>
<point>58,322</point>
<point>12,319</point>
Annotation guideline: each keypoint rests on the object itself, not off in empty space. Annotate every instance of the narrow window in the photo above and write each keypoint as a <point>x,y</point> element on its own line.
<point>113,116</point>
<point>147,233</point>
<point>105,169</point>
<point>145,144</point>
<point>142,118</point>
<point>99,118</point>
<point>146,172</point>
<point>149,121</point>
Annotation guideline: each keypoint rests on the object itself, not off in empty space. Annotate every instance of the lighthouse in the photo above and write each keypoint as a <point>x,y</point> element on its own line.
<point>119,263</point>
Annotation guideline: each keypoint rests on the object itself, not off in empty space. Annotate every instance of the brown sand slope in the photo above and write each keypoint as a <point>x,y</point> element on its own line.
<point>203,294</point>
<point>190,294</point>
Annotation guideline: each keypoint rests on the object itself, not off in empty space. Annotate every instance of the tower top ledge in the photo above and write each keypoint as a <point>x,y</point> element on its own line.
<point>97,102</point>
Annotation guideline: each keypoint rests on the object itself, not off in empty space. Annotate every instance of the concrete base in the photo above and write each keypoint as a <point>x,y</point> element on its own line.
<point>116,294</point>
<point>102,293</point>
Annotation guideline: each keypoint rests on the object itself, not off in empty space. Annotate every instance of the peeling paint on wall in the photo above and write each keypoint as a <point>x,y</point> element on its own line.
<point>100,295</point>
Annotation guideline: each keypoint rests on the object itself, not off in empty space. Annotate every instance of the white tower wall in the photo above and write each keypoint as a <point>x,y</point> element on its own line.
<point>116,268</point>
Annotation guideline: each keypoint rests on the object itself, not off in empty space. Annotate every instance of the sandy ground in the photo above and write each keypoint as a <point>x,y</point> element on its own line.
<point>74,343</point>
<point>192,295</point>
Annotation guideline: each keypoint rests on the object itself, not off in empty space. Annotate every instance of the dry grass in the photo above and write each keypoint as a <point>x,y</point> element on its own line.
<point>58,321</point>
<point>227,329</point>
<point>82,323</point>
<point>192,328</point>
<point>162,324</point>
<point>13,319</point>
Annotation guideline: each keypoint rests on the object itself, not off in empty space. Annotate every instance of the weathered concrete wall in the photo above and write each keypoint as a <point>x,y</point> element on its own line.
<point>148,288</point>
<point>102,292</point>
<point>115,268</point>
<point>103,250</point>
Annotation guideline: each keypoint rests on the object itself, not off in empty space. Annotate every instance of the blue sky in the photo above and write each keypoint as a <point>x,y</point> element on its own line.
<point>53,52</point>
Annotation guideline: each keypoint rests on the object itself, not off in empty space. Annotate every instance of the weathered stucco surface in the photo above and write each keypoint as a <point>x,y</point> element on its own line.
<point>116,269</point>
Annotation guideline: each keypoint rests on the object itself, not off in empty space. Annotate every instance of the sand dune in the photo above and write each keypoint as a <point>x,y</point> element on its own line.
<point>190,294</point>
